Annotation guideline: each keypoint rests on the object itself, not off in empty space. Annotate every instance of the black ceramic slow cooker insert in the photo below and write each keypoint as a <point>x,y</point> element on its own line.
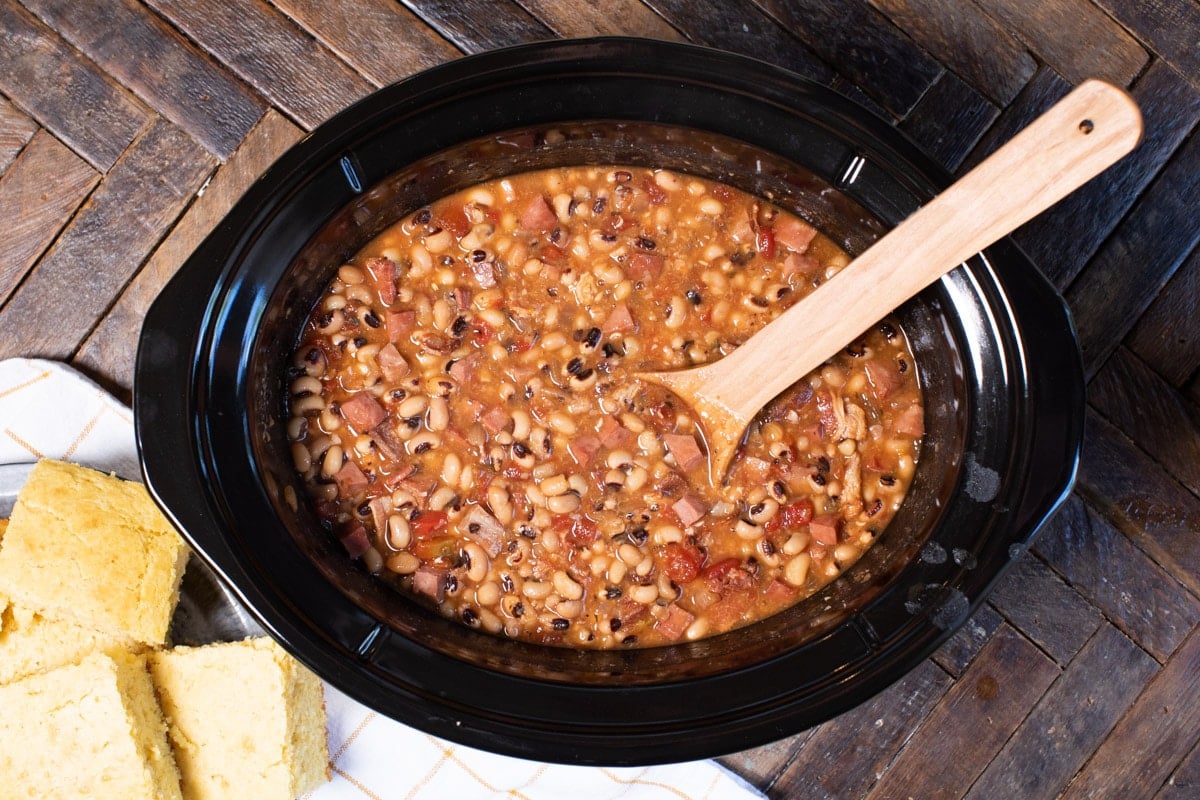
<point>998,361</point>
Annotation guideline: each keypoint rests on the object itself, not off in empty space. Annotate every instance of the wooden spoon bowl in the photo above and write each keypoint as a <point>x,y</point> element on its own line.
<point>1078,138</point>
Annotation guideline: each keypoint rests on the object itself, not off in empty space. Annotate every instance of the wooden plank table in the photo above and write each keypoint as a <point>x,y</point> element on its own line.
<point>128,128</point>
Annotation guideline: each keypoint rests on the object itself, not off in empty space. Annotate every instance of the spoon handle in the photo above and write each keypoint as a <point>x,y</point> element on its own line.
<point>1080,136</point>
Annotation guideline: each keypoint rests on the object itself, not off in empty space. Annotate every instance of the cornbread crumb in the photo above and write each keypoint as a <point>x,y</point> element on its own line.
<point>245,719</point>
<point>94,550</point>
<point>91,729</point>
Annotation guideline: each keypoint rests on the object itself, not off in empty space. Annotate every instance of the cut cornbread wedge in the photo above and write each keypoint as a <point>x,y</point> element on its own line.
<point>94,550</point>
<point>30,643</point>
<point>91,729</point>
<point>245,719</point>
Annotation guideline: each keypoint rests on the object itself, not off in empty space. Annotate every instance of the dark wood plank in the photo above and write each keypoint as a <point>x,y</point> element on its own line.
<point>1170,109</point>
<point>66,93</point>
<point>170,74</point>
<point>1139,596</point>
<point>1148,742</point>
<point>957,653</point>
<point>1167,337</point>
<point>738,26</point>
<point>381,39</point>
<point>949,120</point>
<point>38,194</point>
<point>1132,491</point>
<point>111,235</point>
<point>979,713</point>
<point>612,18</point>
<point>1044,89</point>
<point>1041,606</point>
<point>863,45</point>
<point>16,130</point>
<point>1074,37</point>
<point>967,41</point>
<point>1184,784</point>
<point>762,766</point>
<point>844,755</point>
<point>1151,413</point>
<point>474,26</point>
<point>1070,721</point>
<point>1170,27</point>
<point>108,351</point>
<point>271,53</point>
<point>1158,234</point>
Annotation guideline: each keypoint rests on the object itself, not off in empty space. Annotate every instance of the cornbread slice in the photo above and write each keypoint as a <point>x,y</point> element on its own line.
<point>91,729</point>
<point>245,720</point>
<point>30,643</point>
<point>94,550</point>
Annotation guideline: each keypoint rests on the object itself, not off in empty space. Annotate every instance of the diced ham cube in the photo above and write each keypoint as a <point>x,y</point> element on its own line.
<point>883,375</point>
<point>385,438</point>
<point>675,623</point>
<point>356,542</point>
<point>463,369</point>
<point>778,593</point>
<point>400,324</point>
<point>381,507</point>
<point>350,480</point>
<point>485,530</point>
<point>824,529</point>
<point>584,448</point>
<point>685,450</point>
<point>383,273</point>
<point>538,216</point>
<point>690,509</point>
<point>794,234</point>
<point>911,422</point>
<point>645,266</point>
<point>485,273</point>
<point>362,411</point>
<point>630,611</point>
<point>431,582</point>
<point>800,264</point>
<point>495,420</point>
<point>619,320</point>
<point>391,363</point>
<point>417,485</point>
<point>614,435</point>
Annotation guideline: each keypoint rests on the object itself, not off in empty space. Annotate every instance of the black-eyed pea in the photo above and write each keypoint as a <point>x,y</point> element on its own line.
<point>563,504</point>
<point>797,543</point>
<point>578,484</point>
<point>617,570</point>
<point>795,571</point>
<point>403,563</point>
<point>478,564</point>
<point>301,458</point>
<point>566,586</point>
<point>399,534</point>
<point>636,478</point>
<point>629,554</point>
<point>350,275</point>
<point>845,553</point>
<point>697,630</point>
<point>490,622</point>
<point>536,590</point>
<point>442,497</point>
<point>763,511</point>
<point>372,561</point>
<point>412,406</point>
<point>422,442</point>
<point>645,595</point>
<point>309,404</point>
<point>332,462</point>
<point>747,530</point>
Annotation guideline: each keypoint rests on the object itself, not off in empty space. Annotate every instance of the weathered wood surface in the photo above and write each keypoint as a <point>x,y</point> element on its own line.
<point>129,127</point>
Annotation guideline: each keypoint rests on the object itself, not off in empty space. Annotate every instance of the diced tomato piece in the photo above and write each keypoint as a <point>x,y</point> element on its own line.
<point>797,514</point>
<point>764,240</point>
<point>726,574</point>
<point>680,562</point>
<point>683,446</point>
<point>453,218</point>
<point>675,623</point>
<point>656,193</point>
<point>580,531</point>
<point>824,529</point>
<point>429,524</point>
<point>538,215</point>
<point>619,320</point>
<point>793,233</point>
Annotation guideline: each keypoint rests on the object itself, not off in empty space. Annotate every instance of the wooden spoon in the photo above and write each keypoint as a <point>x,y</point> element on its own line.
<point>1079,137</point>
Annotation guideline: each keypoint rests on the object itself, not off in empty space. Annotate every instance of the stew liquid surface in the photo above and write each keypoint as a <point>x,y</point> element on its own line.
<point>464,416</point>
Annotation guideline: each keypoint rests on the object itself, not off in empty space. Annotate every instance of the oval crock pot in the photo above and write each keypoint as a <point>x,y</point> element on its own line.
<point>998,360</point>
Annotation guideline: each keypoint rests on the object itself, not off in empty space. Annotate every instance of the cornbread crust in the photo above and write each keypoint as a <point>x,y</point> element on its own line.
<point>94,550</point>
<point>30,643</point>
<point>91,729</point>
<point>245,719</point>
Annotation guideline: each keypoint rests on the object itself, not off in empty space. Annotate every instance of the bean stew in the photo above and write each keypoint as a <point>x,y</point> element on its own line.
<point>464,415</point>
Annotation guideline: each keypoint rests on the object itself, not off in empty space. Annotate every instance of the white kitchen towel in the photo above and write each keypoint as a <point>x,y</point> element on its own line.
<point>48,410</point>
